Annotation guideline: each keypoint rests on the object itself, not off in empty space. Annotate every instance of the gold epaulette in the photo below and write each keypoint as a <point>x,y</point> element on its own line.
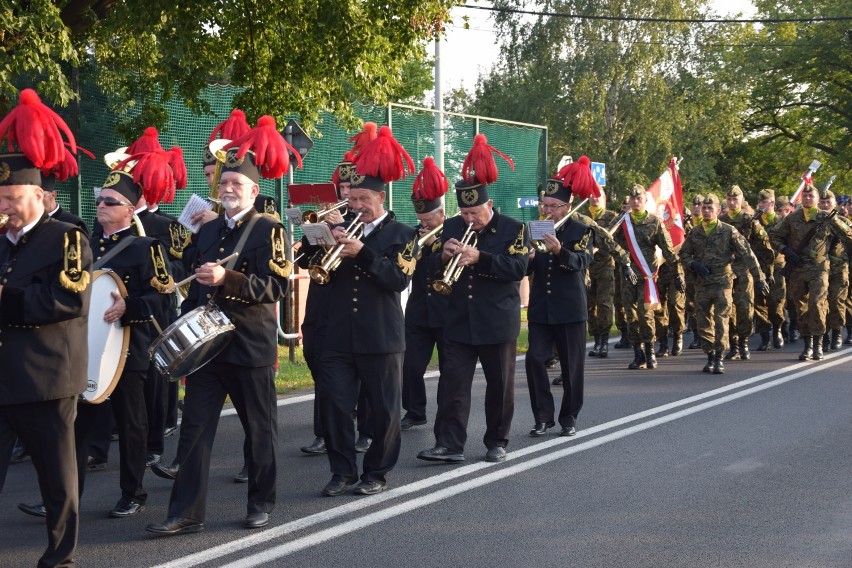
<point>405,259</point>
<point>279,264</point>
<point>519,246</point>
<point>161,281</point>
<point>73,277</point>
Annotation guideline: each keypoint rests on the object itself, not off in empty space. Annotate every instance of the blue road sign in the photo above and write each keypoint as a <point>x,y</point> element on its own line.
<point>599,171</point>
<point>527,202</point>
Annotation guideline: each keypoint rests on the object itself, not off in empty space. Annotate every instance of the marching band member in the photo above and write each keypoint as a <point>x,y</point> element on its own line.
<point>246,290</point>
<point>44,301</point>
<point>483,318</point>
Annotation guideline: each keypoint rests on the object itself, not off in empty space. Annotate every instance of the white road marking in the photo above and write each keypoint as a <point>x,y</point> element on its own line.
<point>280,531</point>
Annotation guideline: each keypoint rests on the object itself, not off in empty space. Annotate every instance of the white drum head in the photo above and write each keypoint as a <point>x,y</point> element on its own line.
<point>108,342</point>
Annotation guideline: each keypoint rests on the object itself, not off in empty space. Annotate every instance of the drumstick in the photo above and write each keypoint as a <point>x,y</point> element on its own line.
<point>217,263</point>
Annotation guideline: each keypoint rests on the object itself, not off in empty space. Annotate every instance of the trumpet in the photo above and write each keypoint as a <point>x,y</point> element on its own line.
<point>540,245</point>
<point>453,271</point>
<point>321,273</point>
<point>436,232</point>
<point>217,148</point>
<point>314,216</point>
<point>3,220</point>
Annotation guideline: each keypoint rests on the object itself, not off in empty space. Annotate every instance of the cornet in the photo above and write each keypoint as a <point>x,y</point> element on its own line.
<point>314,216</point>
<point>453,271</point>
<point>321,273</point>
<point>541,246</point>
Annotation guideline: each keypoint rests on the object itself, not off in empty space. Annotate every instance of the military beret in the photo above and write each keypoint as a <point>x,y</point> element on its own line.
<point>826,194</point>
<point>636,191</point>
<point>781,201</point>
<point>710,199</point>
<point>766,194</point>
<point>698,200</point>
<point>735,191</point>
<point>809,187</point>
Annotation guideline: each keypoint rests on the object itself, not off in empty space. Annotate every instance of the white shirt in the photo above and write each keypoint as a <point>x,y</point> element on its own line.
<point>232,221</point>
<point>15,239</point>
<point>368,227</point>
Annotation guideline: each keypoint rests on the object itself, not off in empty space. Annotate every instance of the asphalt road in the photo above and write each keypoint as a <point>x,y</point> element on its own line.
<point>671,467</point>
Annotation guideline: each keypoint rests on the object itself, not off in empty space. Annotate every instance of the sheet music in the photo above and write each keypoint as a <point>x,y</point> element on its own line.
<point>539,228</point>
<point>294,214</point>
<point>194,205</point>
<point>318,234</point>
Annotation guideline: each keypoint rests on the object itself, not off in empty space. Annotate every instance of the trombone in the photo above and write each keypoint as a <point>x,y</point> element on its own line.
<point>314,216</point>
<point>321,273</point>
<point>540,245</point>
<point>453,271</point>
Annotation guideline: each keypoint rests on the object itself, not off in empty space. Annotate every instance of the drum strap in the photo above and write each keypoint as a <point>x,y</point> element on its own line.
<point>243,238</point>
<point>125,242</point>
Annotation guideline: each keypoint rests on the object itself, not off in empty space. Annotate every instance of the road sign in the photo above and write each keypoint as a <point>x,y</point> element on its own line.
<point>297,138</point>
<point>599,171</point>
<point>527,202</point>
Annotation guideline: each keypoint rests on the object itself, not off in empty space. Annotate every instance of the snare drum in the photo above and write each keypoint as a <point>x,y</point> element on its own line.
<point>191,342</point>
<point>108,342</point>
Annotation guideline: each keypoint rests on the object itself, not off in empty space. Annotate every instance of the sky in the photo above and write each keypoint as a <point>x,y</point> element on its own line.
<point>465,53</point>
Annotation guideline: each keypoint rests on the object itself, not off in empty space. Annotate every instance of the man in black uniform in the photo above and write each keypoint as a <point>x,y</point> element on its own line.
<point>426,309</point>
<point>246,290</point>
<point>558,312</point>
<point>44,300</point>
<point>483,320</point>
<point>53,208</point>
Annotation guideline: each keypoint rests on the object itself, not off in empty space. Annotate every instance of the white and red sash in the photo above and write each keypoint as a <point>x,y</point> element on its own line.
<point>652,295</point>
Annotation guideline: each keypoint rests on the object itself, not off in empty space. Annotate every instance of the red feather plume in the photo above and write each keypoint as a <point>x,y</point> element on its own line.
<point>367,135</point>
<point>153,174</point>
<point>68,167</point>
<point>347,157</point>
<point>37,131</point>
<point>578,176</point>
<point>384,158</point>
<point>148,142</point>
<point>178,166</point>
<point>269,147</point>
<point>431,183</point>
<point>232,127</point>
<point>479,163</point>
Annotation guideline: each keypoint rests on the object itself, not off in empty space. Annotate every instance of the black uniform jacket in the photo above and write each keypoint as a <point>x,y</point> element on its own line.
<point>136,266</point>
<point>68,217</point>
<point>171,234</point>
<point>558,293</point>
<point>43,329</point>
<point>485,304</point>
<point>319,296</point>
<point>426,307</point>
<point>365,313</point>
<point>251,289</point>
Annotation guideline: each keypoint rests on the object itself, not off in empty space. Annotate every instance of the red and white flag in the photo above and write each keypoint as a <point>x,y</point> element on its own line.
<point>668,195</point>
<point>807,178</point>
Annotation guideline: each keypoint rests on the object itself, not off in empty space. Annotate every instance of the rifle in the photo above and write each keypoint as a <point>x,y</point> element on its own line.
<point>806,240</point>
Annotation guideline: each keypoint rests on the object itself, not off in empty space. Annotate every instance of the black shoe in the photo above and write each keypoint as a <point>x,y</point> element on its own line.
<point>733,353</point>
<point>568,431</point>
<point>175,525</point>
<point>638,358</point>
<point>441,454</point>
<point>151,459</point>
<point>765,341</point>
<point>677,346</point>
<point>169,431</point>
<point>242,477</point>
<point>818,355</point>
<point>777,339</point>
<point>317,447</point>
<point>94,464</point>
<point>826,341</point>
<point>495,454</point>
<point>836,339</point>
<point>540,428</point>
<point>663,351</point>
<point>126,508</point>
<point>363,444</point>
<point>369,488</point>
<point>743,349</point>
<point>34,510</point>
<point>337,487</point>
<point>603,350</point>
<point>848,335</point>
<point>551,363</point>
<point>718,366</point>
<point>557,381</point>
<point>708,368</point>
<point>808,352</point>
<point>794,334</point>
<point>650,360</point>
<point>696,343</point>
<point>407,423</point>
<point>165,471</point>
<point>256,520</point>
<point>19,455</point>
<point>623,342</point>
<point>593,352</point>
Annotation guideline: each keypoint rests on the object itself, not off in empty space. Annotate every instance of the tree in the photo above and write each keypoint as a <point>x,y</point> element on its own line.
<point>297,56</point>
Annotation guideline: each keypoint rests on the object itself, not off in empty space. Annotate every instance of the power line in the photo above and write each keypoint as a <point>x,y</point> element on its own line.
<point>660,20</point>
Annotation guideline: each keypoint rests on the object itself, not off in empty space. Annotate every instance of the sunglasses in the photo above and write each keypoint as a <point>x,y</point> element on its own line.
<point>111,202</point>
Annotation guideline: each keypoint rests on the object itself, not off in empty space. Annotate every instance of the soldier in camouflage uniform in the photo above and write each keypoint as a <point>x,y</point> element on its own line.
<point>789,329</point>
<point>670,316</point>
<point>649,233</point>
<point>617,301</point>
<point>602,274</point>
<point>692,221</point>
<point>838,279</point>
<point>802,236</point>
<point>769,310</point>
<point>844,204</point>
<point>708,251</point>
<point>742,315</point>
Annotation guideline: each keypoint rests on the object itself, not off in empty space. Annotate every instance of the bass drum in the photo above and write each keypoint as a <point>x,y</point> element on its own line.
<point>191,342</point>
<point>108,342</point>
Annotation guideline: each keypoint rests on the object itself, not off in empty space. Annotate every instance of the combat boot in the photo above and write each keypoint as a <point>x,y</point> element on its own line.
<point>808,352</point>
<point>594,351</point>
<point>765,341</point>
<point>638,358</point>
<point>794,332</point>
<point>818,356</point>
<point>603,352</point>
<point>777,338</point>
<point>677,345</point>
<point>623,341</point>
<point>733,353</point>
<point>836,337</point>
<point>743,347</point>
<point>785,330</point>
<point>696,342</point>
<point>826,341</point>
<point>718,366</point>
<point>848,335</point>
<point>663,351</point>
<point>708,368</point>
<point>650,360</point>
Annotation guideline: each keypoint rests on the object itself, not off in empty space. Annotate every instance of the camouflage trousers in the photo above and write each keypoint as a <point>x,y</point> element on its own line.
<point>618,302</point>
<point>672,304</point>
<point>689,299</point>
<point>599,298</point>
<point>742,312</point>
<point>808,292</point>
<point>769,310</point>
<point>838,294</point>
<point>713,304</point>
<point>640,318</point>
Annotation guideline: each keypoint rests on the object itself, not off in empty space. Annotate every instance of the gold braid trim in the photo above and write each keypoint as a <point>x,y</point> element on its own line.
<point>405,259</point>
<point>73,277</point>
<point>583,243</point>
<point>279,264</point>
<point>518,247</point>
<point>161,281</point>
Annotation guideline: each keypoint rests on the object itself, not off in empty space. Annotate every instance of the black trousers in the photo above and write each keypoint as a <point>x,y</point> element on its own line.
<point>99,436</point>
<point>420,341</point>
<point>343,377</point>
<point>131,420</point>
<point>47,429</point>
<point>498,364</point>
<point>156,406</point>
<point>570,341</point>
<point>252,390</point>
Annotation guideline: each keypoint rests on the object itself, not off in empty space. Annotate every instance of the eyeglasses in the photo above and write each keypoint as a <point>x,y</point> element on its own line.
<point>548,206</point>
<point>226,184</point>
<point>111,202</point>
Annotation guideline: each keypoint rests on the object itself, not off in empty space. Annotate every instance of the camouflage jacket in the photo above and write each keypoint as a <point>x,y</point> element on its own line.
<point>769,226</point>
<point>755,236</point>
<point>794,229</point>
<point>717,251</point>
<point>650,234</point>
<point>606,249</point>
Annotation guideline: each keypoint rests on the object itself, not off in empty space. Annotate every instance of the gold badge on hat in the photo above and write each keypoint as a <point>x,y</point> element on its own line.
<point>161,281</point>
<point>552,187</point>
<point>469,196</point>
<point>344,172</point>
<point>419,206</point>
<point>279,264</point>
<point>5,171</point>
<point>112,179</point>
<point>73,277</point>
<point>356,178</point>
